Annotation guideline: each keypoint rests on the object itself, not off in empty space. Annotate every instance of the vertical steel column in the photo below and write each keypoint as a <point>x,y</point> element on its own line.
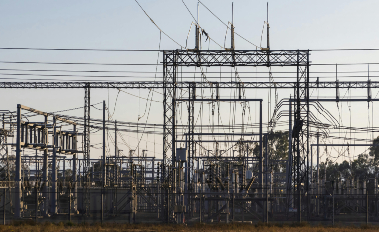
<point>307,137</point>
<point>300,136</point>
<point>115,141</point>
<point>169,108</point>
<point>116,155</point>
<point>333,206</point>
<point>17,198</point>
<point>36,201</point>
<point>45,171</point>
<point>260,177</point>
<point>102,206</point>
<point>53,208</point>
<point>74,174</point>
<point>367,207</point>
<point>297,129</point>
<point>299,140</point>
<point>87,108</point>
<point>317,176</point>
<point>191,148</point>
<point>4,199</point>
<point>290,158</point>
<point>173,114</point>
<point>69,203</point>
<point>266,177</point>
<point>104,157</point>
<point>165,129</point>
<point>169,101</point>
<point>86,152</point>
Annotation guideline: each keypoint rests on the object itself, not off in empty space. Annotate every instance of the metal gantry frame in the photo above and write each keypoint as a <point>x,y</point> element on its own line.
<point>233,58</point>
<point>35,136</point>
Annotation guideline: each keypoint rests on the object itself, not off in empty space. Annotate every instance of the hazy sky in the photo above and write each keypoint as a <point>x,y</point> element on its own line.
<point>122,24</point>
<point>116,24</point>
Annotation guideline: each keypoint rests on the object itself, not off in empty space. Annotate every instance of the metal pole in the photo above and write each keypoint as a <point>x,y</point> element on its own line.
<point>104,167</point>
<point>266,176</point>
<point>74,180</point>
<point>64,166</point>
<point>69,204</point>
<point>260,147</point>
<point>104,158</point>
<point>311,172</point>
<point>307,163</point>
<point>318,175</point>
<point>366,207</point>
<point>115,140</point>
<point>36,201</point>
<point>299,203</point>
<point>45,180</point>
<point>268,31</point>
<point>5,194</point>
<point>102,206</point>
<point>290,159</point>
<point>45,168</point>
<point>17,205</point>
<point>333,206</point>
<point>233,211</point>
<point>54,170</point>
<point>200,209</point>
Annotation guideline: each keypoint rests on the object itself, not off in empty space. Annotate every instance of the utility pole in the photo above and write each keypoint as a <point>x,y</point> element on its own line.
<point>115,140</point>
<point>104,166</point>
<point>104,147</point>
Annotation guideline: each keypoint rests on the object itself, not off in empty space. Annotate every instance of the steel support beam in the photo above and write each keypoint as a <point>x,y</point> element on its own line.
<point>199,85</point>
<point>87,115</point>
<point>18,189</point>
<point>54,205</point>
<point>104,149</point>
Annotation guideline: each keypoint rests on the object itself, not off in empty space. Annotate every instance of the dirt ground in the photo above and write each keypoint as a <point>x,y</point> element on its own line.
<point>303,227</point>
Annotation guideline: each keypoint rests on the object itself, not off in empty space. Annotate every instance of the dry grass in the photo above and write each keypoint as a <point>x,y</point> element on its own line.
<point>303,227</point>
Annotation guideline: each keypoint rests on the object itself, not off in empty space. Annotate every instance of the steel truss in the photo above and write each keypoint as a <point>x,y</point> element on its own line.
<point>300,138</point>
<point>199,85</point>
<point>87,144</point>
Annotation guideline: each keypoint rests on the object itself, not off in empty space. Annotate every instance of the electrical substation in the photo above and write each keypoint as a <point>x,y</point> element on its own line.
<point>235,144</point>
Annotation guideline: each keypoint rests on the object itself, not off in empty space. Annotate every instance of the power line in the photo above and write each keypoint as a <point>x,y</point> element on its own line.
<point>70,63</point>
<point>149,77</point>
<point>153,50</point>
<point>345,49</point>
<point>189,11</point>
<point>80,49</point>
<point>190,72</point>
<point>157,25</point>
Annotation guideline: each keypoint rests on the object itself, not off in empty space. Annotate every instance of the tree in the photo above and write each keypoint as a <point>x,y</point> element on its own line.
<point>361,166</point>
<point>345,169</point>
<point>277,149</point>
<point>374,150</point>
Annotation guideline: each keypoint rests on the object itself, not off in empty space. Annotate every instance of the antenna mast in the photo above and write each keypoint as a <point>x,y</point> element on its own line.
<point>268,31</point>
<point>197,36</point>
<point>232,30</point>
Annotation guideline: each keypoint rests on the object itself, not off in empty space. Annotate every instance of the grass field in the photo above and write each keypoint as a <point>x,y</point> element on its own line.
<point>303,227</point>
